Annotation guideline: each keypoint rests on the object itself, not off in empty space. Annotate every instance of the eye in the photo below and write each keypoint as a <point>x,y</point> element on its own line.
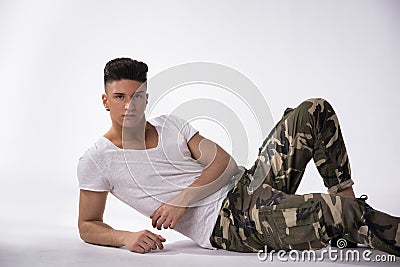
<point>137,96</point>
<point>120,97</point>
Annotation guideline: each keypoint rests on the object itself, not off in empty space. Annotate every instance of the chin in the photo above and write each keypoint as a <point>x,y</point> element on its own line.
<point>133,121</point>
<point>129,123</point>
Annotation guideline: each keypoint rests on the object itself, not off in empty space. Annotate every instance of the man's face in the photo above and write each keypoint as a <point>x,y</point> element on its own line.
<point>126,100</point>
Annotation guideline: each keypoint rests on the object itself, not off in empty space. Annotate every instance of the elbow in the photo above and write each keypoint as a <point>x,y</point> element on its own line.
<point>83,230</point>
<point>231,166</point>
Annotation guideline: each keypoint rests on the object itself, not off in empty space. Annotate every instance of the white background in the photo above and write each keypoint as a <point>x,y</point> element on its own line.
<point>52,55</point>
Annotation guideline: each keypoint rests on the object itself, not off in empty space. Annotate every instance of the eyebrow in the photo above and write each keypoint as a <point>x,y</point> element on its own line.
<point>124,93</point>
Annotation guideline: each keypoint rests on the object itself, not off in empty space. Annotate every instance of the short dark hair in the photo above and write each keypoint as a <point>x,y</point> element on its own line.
<point>125,69</point>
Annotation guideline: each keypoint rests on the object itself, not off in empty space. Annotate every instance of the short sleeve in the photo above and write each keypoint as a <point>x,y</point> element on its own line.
<point>184,127</point>
<point>90,176</point>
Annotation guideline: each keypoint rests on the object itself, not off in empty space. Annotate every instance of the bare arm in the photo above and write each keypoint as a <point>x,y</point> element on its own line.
<point>220,167</point>
<point>93,230</point>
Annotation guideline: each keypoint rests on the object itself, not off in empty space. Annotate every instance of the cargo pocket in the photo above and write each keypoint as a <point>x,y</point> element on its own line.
<point>295,225</point>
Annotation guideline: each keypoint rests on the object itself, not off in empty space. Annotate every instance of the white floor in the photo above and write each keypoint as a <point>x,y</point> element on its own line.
<point>38,228</point>
<point>52,245</point>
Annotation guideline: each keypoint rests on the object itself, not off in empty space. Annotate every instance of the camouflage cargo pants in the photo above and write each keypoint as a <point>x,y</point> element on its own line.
<point>262,209</point>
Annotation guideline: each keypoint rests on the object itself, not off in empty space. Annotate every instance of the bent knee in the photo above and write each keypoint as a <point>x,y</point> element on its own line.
<point>316,100</point>
<point>317,103</point>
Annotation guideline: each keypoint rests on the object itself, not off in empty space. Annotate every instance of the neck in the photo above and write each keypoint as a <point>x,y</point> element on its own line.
<point>128,135</point>
<point>136,133</point>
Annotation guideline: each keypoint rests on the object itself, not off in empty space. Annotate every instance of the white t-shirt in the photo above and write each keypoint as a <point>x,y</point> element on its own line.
<point>144,179</point>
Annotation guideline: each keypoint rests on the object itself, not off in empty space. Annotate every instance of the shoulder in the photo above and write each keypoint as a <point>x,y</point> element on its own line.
<point>178,124</point>
<point>97,148</point>
<point>171,120</point>
<point>89,171</point>
<point>95,153</point>
<point>168,120</point>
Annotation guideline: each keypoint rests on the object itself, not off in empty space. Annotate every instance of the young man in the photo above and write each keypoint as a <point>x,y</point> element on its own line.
<point>166,170</point>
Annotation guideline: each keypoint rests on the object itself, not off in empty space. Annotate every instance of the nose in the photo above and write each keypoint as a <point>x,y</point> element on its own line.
<point>129,105</point>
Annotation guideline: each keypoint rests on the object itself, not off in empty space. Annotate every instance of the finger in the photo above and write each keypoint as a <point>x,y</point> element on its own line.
<point>155,219</point>
<point>155,239</point>
<point>138,249</point>
<point>151,216</point>
<point>158,242</point>
<point>151,243</point>
<point>167,223</point>
<point>160,222</point>
<point>157,211</point>
<point>161,238</point>
<point>173,224</point>
<point>146,248</point>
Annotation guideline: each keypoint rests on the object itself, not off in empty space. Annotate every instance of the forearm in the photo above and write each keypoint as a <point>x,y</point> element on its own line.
<point>213,178</point>
<point>97,232</point>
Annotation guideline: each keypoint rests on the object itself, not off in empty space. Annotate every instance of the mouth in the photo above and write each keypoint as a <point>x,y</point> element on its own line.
<point>128,117</point>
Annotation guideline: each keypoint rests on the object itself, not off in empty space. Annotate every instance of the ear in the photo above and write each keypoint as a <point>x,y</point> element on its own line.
<point>147,98</point>
<point>104,97</point>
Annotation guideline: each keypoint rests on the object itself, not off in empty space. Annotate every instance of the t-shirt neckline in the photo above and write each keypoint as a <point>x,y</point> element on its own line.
<point>138,150</point>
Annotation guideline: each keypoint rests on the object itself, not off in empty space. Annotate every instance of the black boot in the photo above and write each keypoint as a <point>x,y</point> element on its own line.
<point>378,223</point>
<point>340,242</point>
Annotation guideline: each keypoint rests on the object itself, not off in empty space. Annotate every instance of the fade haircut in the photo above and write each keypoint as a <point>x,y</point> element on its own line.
<point>125,69</point>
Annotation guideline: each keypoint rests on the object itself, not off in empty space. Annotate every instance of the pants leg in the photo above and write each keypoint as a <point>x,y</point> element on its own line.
<point>262,210</point>
<point>310,131</point>
<point>250,220</point>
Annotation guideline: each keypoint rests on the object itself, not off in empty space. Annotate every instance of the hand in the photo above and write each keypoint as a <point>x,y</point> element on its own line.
<point>167,215</point>
<point>143,241</point>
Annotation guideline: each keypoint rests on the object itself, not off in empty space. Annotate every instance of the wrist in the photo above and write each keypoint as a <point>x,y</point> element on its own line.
<point>181,200</point>
<point>121,237</point>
